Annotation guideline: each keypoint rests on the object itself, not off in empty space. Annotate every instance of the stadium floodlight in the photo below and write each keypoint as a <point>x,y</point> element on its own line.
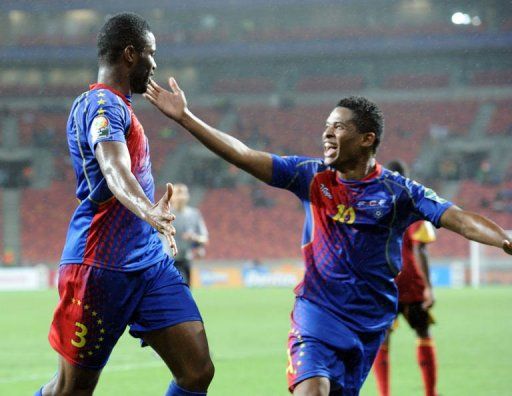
<point>460,18</point>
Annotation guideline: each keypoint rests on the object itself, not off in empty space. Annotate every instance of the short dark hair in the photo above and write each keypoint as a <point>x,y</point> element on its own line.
<point>398,166</point>
<point>120,31</point>
<point>367,116</point>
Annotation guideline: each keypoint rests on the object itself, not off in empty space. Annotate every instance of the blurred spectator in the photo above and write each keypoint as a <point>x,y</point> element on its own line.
<point>448,169</point>
<point>191,232</point>
<point>439,132</point>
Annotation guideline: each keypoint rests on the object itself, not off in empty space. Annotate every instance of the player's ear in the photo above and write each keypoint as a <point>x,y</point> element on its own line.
<point>129,54</point>
<point>368,139</point>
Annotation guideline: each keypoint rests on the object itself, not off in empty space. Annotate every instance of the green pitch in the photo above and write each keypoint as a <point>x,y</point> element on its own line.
<point>247,331</point>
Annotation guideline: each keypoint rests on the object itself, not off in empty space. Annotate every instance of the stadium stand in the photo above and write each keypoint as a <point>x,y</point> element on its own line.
<point>492,77</point>
<point>343,83</point>
<point>501,122</point>
<point>415,81</point>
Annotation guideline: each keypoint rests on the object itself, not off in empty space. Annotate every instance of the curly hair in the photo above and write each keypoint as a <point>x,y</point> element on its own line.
<point>367,116</point>
<point>120,31</point>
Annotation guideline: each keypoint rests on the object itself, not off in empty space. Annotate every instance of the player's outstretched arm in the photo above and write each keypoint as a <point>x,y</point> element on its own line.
<point>476,228</point>
<point>174,105</point>
<point>115,163</point>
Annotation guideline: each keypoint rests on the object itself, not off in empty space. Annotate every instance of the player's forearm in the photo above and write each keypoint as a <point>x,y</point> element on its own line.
<point>474,227</point>
<point>423,259</point>
<point>128,191</point>
<point>257,163</point>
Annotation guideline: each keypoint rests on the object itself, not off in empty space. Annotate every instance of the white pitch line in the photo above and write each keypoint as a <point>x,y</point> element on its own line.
<point>109,369</point>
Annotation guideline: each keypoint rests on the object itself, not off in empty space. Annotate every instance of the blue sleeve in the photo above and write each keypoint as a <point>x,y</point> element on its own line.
<point>427,205</point>
<point>292,173</point>
<point>106,120</point>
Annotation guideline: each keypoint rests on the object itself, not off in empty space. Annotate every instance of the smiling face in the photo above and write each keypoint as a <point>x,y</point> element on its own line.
<point>342,142</point>
<point>144,66</point>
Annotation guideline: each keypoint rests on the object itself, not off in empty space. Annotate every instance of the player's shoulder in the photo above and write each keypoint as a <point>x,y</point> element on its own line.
<point>397,180</point>
<point>103,96</point>
<point>191,211</point>
<point>306,163</point>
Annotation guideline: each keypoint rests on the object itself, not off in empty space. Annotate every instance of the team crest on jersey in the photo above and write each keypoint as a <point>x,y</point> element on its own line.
<point>431,194</point>
<point>372,203</point>
<point>100,128</point>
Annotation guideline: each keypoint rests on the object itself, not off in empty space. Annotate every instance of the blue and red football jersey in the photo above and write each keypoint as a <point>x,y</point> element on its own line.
<point>103,232</point>
<point>352,237</point>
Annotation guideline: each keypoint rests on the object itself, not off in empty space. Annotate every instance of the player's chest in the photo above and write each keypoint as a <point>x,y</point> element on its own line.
<point>338,204</point>
<point>136,138</point>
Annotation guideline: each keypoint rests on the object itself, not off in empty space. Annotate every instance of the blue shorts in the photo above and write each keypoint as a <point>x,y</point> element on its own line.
<point>320,346</point>
<point>97,304</point>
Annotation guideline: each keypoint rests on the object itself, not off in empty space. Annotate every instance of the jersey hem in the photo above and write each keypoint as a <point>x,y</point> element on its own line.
<point>98,264</point>
<point>348,324</point>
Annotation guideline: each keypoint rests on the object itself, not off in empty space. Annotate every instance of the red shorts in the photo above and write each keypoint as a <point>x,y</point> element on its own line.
<point>97,304</point>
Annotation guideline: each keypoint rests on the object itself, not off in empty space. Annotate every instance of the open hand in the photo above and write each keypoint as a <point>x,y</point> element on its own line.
<point>172,103</point>
<point>161,218</point>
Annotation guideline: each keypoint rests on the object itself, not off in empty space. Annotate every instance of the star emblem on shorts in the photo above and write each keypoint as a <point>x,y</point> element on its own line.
<point>101,94</point>
<point>102,101</point>
<point>101,111</point>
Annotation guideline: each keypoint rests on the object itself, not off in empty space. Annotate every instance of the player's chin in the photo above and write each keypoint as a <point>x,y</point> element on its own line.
<point>140,88</point>
<point>329,160</point>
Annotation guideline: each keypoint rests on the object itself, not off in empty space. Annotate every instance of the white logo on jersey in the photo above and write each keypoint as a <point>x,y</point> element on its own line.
<point>325,191</point>
<point>431,194</point>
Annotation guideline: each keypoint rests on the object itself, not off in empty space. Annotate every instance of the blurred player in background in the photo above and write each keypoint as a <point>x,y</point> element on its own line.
<point>356,214</point>
<point>191,232</point>
<point>113,270</point>
<point>415,298</point>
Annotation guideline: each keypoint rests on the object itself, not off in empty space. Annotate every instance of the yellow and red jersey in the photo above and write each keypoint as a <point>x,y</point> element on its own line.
<point>411,281</point>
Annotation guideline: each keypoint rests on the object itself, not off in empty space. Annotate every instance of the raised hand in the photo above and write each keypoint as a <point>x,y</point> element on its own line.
<point>161,218</point>
<point>172,103</point>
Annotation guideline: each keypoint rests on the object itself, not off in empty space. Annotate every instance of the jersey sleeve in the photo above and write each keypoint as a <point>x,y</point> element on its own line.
<point>425,233</point>
<point>426,204</point>
<point>291,173</point>
<point>107,119</point>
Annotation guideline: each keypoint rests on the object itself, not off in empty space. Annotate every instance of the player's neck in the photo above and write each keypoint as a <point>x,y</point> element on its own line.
<point>115,78</point>
<point>357,170</point>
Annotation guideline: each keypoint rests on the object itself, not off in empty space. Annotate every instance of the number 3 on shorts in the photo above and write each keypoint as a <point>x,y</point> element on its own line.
<point>80,334</point>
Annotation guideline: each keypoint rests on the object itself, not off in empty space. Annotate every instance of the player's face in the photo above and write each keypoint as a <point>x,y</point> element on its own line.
<point>180,196</point>
<point>341,140</point>
<point>144,67</point>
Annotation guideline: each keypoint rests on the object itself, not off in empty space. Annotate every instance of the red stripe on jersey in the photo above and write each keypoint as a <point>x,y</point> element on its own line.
<point>97,229</point>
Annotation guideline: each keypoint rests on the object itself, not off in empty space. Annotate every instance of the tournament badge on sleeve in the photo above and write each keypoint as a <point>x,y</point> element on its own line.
<point>100,128</point>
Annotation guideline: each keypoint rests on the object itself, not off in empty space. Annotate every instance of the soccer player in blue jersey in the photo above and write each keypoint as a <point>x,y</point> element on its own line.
<point>356,213</point>
<point>114,271</point>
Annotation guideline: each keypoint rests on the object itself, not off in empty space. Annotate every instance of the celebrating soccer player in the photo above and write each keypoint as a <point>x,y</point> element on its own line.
<point>414,301</point>
<point>356,214</point>
<point>113,270</point>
